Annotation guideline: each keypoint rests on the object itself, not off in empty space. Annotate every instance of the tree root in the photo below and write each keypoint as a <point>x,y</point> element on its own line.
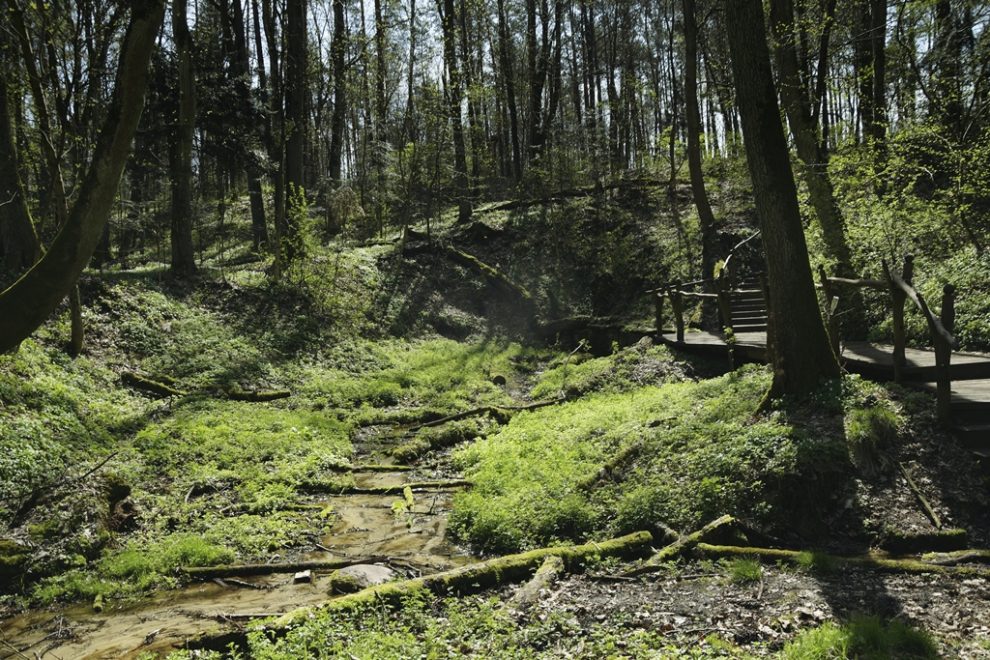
<point>501,414</point>
<point>166,386</point>
<point>880,563</point>
<point>680,546</point>
<point>463,580</point>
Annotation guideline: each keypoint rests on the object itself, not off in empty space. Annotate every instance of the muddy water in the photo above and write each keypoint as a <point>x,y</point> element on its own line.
<point>365,526</point>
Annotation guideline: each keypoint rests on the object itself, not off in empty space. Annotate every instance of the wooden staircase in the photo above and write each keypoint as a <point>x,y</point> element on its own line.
<point>748,308</point>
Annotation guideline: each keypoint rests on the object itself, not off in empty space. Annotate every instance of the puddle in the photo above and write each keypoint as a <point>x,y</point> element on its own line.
<point>366,527</point>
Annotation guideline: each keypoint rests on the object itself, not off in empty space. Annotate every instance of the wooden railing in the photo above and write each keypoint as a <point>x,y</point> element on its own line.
<point>719,288</point>
<point>900,289</point>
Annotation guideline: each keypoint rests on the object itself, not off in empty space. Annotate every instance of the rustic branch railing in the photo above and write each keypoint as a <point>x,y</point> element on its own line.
<point>900,290</point>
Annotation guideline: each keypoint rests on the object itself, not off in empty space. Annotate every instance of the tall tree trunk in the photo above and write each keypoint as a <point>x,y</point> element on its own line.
<point>705,214</point>
<point>795,95</point>
<point>508,76</point>
<point>802,356</point>
<point>448,17</point>
<point>28,302</point>
<point>338,52</point>
<point>183,257</point>
<point>19,245</point>
<point>297,116</point>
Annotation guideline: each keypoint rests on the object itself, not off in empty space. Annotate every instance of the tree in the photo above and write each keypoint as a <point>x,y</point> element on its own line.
<point>296,95</point>
<point>448,22</point>
<point>798,103</point>
<point>801,355</point>
<point>28,302</point>
<point>183,257</point>
<point>705,215</point>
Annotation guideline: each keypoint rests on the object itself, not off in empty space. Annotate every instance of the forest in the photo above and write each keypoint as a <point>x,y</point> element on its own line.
<point>385,329</point>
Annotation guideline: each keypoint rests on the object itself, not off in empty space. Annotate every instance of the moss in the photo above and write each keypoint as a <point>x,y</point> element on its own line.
<point>861,637</point>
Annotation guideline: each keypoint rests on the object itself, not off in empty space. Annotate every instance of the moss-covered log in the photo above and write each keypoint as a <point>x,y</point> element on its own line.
<point>463,580</point>
<point>976,555</point>
<point>825,561</point>
<point>238,394</point>
<point>148,384</point>
<point>942,540</point>
<point>680,546</point>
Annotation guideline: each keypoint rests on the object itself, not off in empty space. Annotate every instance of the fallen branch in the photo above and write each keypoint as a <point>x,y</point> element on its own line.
<point>980,555</point>
<point>680,546</point>
<point>141,382</point>
<point>205,573</point>
<point>238,394</point>
<point>529,593</point>
<point>929,511</point>
<point>463,580</point>
<point>885,564</point>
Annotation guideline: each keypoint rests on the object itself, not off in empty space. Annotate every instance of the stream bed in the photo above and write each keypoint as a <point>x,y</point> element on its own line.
<point>411,541</point>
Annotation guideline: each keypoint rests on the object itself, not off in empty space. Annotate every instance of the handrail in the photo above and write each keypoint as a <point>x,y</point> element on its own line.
<point>862,283</point>
<point>933,321</point>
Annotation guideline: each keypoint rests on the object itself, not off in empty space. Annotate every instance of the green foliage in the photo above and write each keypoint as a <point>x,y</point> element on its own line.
<point>866,638</point>
<point>438,374</point>
<point>745,570</point>
<point>629,368</point>
<point>702,455</point>
<point>472,627</point>
<point>869,433</point>
<point>55,412</point>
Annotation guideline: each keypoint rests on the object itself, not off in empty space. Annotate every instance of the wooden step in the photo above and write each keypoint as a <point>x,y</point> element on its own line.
<point>760,309</point>
<point>743,317</point>
<point>754,327</point>
<point>975,437</point>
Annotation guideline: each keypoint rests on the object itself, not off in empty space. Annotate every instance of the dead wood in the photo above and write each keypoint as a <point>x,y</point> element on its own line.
<point>238,394</point>
<point>466,579</point>
<point>343,489</point>
<point>876,562</point>
<point>680,546</point>
<point>979,555</point>
<point>148,384</point>
<point>545,576</point>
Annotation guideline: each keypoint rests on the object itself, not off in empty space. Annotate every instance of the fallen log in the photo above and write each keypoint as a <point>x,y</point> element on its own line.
<point>239,394</point>
<point>464,580</point>
<point>204,573</point>
<point>680,546</point>
<point>980,555</point>
<point>141,382</point>
<point>880,563</point>
<point>529,593</point>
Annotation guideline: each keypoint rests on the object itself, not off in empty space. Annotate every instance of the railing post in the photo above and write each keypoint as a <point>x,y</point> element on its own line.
<point>658,312</point>
<point>765,286</point>
<point>943,356</point>
<point>677,303</point>
<point>898,298</point>
<point>724,303</point>
<point>831,303</point>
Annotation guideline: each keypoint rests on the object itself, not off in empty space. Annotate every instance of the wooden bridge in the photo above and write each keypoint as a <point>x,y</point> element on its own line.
<point>959,381</point>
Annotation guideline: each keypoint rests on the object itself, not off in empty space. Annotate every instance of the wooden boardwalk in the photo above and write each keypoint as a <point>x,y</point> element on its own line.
<point>970,374</point>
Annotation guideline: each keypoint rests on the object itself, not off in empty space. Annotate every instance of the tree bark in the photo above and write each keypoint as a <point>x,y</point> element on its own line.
<point>296,94</point>
<point>28,302</point>
<point>795,95</point>
<point>448,20</point>
<point>705,214</point>
<point>19,245</point>
<point>183,256</point>
<point>802,356</point>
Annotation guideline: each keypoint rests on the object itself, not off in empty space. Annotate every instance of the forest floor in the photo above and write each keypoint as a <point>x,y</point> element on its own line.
<point>110,491</point>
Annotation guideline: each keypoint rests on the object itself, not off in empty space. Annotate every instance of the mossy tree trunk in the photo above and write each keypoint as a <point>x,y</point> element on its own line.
<point>802,355</point>
<point>19,245</point>
<point>28,302</point>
